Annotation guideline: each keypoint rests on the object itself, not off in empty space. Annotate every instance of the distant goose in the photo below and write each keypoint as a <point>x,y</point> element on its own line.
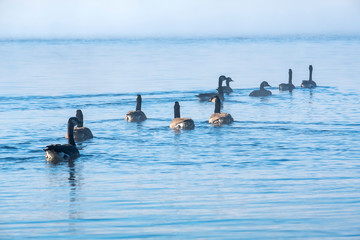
<point>81,133</point>
<point>262,92</point>
<point>227,89</point>
<point>218,118</point>
<point>138,115</point>
<point>59,152</point>
<point>309,83</point>
<point>220,92</point>
<point>287,86</point>
<point>181,123</point>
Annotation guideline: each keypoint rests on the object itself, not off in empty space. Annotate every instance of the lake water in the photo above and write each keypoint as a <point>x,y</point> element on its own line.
<point>287,168</point>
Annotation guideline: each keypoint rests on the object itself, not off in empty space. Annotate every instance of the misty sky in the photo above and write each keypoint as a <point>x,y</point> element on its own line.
<point>174,18</point>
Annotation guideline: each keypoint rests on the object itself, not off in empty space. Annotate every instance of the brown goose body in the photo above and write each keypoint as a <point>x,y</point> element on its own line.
<point>137,115</point>
<point>61,152</point>
<point>287,86</point>
<point>81,133</point>
<point>262,92</point>
<point>218,118</point>
<point>181,123</point>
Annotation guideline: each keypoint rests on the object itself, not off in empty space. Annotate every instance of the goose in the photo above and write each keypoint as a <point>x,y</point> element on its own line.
<point>137,115</point>
<point>59,152</point>
<point>217,118</point>
<point>309,83</point>
<point>81,133</point>
<point>287,86</point>
<point>181,123</point>
<point>227,89</point>
<point>220,92</point>
<point>262,92</point>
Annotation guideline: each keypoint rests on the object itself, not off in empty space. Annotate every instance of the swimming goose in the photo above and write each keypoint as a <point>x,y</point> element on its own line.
<point>220,92</point>
<point>59,152</point>
<point>287,86</point>
<point>137,115</point>
<point>181,123</point>
<point>309,83</point>
<point>262,92</point>
<point>218,118</point>
<point>227,89</point>
<point>81,133</point>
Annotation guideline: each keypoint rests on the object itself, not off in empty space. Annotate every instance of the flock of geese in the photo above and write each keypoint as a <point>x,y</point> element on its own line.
<point>77,132</point>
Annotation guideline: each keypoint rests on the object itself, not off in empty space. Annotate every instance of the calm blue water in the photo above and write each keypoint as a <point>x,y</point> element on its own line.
<point>287,168</point>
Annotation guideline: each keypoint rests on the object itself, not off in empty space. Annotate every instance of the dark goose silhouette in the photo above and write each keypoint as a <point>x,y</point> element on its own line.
<point>262,92</point>
<point>137,115</point>
<point>309,83</point>
<point>81,133</point>
<point>218,118</point>
<point>181,123</point>
<point>287,86</point>
<point>60,152</point>
<point>227,89</point>
<point>220,92</point>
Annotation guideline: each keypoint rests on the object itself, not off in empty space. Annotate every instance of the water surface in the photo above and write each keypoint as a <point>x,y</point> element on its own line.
<point>288,167</point>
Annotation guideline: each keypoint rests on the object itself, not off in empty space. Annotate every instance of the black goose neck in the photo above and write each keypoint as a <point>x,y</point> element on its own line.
<point>177,110</point>
<point>70,130</point>
<point>262,86</point>
<point>217,105</point>
<point>138,103</point>
<point>220,83</point>
<point>290,76</point>
<point>310,72</point>
<point>80,117</point>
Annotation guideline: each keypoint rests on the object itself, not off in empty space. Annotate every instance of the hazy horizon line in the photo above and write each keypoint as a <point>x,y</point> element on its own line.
<point>188,37</point>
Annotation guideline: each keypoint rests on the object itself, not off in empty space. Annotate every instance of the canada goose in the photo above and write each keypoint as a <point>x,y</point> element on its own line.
<point>137,115</point>
<point>309,83</point>
<point>81,133</point>
<point>181,123</point>
<point>220,92</point>
<point>59,152</point>
<point>262,92</point>
<point>287,86</point>
<point>218,118</point>
<point>227,89</point>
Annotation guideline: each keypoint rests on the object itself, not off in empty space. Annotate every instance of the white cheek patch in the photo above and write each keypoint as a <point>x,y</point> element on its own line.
<point>56,156</point>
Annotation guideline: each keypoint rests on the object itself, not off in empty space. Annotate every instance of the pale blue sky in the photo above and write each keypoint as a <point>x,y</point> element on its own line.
<point>173,18</point>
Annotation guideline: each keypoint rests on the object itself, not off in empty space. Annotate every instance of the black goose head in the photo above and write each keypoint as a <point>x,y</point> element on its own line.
<point>176,110</point>
<point>73,121</point>
<point>228,80</point>
<point>221,79</point>
<point>80,117</point>
<point>264,84</point>
<point>138,102</point>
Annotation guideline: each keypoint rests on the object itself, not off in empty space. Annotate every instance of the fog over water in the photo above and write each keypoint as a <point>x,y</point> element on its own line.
<point>186,18</point>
